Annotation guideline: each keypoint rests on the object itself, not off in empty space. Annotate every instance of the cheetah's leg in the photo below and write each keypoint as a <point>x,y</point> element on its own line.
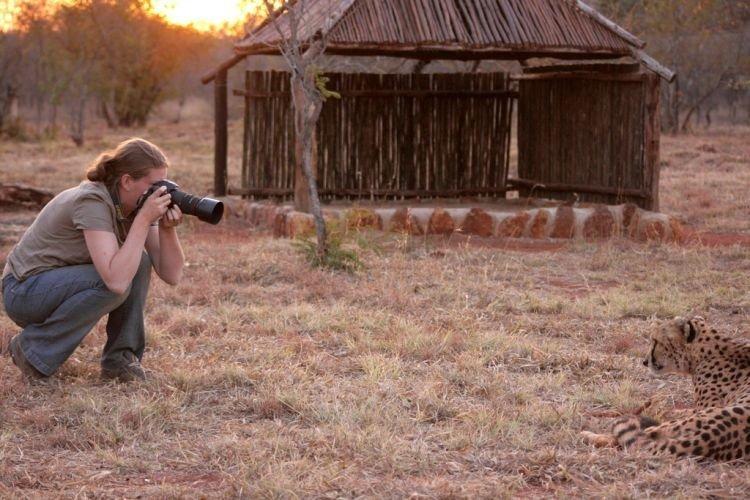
<point>611,440</point>
<point>719,433</point>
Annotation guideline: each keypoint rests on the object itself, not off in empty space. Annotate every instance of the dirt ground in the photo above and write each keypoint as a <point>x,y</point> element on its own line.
<point>443,369</point>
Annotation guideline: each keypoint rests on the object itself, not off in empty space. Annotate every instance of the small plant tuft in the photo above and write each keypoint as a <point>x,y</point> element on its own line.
<point>337,256</point>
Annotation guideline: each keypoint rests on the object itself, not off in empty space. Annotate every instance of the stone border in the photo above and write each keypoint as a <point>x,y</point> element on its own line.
<point>564,222</point>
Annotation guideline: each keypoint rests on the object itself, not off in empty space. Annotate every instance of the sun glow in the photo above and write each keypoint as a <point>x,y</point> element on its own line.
<point>203,15</point>
<point>207,14</point>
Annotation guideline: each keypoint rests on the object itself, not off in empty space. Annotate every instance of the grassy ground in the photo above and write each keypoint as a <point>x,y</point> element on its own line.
<point>443,369</point>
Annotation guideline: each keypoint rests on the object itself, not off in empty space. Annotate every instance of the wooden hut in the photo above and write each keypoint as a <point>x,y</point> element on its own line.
<point>587,104</point>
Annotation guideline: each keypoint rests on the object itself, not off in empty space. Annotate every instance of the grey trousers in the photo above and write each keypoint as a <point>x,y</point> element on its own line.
<point>57,308</point>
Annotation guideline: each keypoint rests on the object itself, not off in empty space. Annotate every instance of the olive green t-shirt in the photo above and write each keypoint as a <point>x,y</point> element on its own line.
<point>55,239</point>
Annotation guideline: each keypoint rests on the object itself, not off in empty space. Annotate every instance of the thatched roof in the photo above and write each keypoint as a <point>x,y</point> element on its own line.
<point>377,26</point>
<point>453,29</point>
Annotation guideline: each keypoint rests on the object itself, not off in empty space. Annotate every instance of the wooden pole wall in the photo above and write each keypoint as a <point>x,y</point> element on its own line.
<point>388,136</point>
<point>595,135</point>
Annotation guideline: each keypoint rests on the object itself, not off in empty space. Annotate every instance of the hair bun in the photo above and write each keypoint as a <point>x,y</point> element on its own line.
<point>134,157</point>
<point>98,171</point>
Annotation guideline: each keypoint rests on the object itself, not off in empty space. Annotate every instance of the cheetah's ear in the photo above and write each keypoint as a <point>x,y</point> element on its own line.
<point>686,328</point>
<point>690,331</point>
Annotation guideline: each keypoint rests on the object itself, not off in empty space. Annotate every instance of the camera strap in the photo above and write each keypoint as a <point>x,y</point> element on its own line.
<point>123,223</point>
<point>118,205</point>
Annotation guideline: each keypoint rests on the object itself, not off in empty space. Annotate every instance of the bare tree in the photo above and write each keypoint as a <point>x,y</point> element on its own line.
<point>11,55</point>
<point>308,95</point>
<point>704,41</point>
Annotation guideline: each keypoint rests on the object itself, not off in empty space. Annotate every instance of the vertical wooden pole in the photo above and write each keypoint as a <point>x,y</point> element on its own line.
<point>652,124</point>
<point>220,133</point>
<point>246,136</point>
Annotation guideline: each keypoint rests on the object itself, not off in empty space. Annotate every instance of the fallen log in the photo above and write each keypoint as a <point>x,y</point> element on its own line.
<point>14,195</point>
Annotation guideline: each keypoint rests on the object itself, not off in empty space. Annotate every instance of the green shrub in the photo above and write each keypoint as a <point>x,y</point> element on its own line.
<point>338,257</point>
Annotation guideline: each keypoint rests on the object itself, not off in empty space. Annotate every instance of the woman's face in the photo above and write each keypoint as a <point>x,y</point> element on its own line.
<point>131,189</point>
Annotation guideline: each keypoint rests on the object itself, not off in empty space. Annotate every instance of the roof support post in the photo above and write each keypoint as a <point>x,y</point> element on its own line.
<point>220,133</point>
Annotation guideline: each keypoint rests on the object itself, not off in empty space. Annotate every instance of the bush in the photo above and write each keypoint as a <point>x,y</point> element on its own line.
<point>15,129</point>
<point>337,257</point>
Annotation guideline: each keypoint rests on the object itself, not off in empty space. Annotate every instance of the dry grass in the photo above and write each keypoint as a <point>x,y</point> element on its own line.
<point>438,371</point>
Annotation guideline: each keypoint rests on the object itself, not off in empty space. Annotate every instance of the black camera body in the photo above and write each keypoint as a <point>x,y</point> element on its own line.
<point>206,209</point>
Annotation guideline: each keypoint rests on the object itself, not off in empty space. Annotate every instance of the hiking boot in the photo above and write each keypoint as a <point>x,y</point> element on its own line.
<point>30,373</point>
<point>128,370</point>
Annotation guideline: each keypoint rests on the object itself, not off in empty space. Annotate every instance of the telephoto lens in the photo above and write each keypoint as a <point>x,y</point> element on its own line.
<point>206,209</point>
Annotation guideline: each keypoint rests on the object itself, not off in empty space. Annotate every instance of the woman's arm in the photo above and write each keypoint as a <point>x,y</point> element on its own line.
<point>117,266</point>
<point>163,246</point>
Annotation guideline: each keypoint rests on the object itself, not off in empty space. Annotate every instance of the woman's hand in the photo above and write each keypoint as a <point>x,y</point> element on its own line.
<point>172,218</point>
<point>155,205</point>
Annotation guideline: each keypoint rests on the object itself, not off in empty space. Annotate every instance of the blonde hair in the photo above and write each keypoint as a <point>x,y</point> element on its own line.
<point>134,157</point>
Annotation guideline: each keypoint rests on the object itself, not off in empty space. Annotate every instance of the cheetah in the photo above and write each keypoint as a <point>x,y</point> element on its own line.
<point>719,427</point>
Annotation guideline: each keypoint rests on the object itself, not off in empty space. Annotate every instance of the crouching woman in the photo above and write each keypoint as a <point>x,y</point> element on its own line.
<point>89,254</point>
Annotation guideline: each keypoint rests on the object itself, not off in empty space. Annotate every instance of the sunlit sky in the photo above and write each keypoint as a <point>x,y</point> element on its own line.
<point>202,14</point>
<point>205,14</point>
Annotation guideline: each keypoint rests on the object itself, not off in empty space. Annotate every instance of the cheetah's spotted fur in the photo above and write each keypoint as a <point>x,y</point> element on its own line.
<point>719,428</point>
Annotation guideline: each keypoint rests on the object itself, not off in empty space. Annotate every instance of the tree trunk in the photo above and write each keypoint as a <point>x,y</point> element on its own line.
<point>52,127</point>
<point>107,114</point>
<point>301,186</point>
<point>6,105</point>
<point>697,105</point>
<point>675,106</point>
<point>21,195</point>
<point>180,107</point>
<point>78,120</point>
<point>306,114</point>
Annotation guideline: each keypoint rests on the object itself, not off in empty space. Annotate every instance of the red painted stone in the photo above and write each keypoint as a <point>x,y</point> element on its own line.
<point>359,218</point>
<point>279,225</point>
<point>539,224</point>
<point>600,224</point>
<point>441,222</point>
<point>678,230</point>
<point>478,222</point>
<point>299,224</point>
<point>513,227</point>
<point>628,211</point>
<point>564,225</point>
<point>399,221</point>
<point>652,230</point>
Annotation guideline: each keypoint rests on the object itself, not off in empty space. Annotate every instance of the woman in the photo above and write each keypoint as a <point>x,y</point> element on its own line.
<point>83,258</point>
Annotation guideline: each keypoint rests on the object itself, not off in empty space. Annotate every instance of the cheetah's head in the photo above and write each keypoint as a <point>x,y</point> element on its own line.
<point>670,345</point>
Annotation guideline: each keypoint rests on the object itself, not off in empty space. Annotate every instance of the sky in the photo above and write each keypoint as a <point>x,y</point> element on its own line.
<point>202,14</point>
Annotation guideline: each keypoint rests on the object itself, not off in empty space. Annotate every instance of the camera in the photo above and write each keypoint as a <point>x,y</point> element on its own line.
<point>206,209</point>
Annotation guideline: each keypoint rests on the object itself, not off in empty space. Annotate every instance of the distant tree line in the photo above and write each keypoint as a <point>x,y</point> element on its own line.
<point>707,42</point>
<point>64,61</point>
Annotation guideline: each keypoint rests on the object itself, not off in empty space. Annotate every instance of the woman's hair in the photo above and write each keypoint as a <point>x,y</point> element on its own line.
<point>135,157</point>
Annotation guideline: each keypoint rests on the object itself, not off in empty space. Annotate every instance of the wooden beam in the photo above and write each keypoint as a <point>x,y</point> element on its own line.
<point>611,25</point>
<point>456,52</point>
<point>392,93</point>
<point>221,140</point>
<point>226,65</point>
<point>575,188</point>
<point>420,66</point>
<point>379,193</point>
<point>585,75</point>
<point>631,66</point>
<point>654,65</point>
